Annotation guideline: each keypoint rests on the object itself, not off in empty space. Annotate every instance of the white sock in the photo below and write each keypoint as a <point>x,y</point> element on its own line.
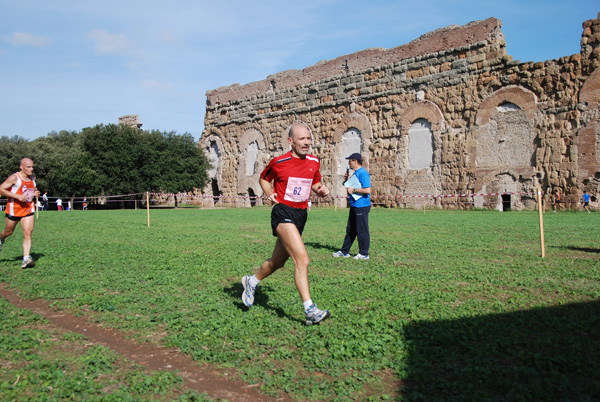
<point>25,257</point>
<point>254,281</point>
<point>307,305</point>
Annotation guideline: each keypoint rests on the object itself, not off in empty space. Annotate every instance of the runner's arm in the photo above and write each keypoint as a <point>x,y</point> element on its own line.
<point>267,189</point>
<point>320,189</point>
<point>5,189</point>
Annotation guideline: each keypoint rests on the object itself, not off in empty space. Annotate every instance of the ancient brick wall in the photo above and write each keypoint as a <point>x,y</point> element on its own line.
<point>448,113</point>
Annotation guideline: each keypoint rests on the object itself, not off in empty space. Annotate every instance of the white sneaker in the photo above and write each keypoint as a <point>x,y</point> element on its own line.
<point>28,262</point>
<point>315,316</point>
<point>248,293</point>
<point>340,254</point>
<point>359,256</point>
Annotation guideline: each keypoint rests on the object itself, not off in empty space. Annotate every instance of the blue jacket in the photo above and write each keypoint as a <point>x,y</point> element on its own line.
<point>365,181</point>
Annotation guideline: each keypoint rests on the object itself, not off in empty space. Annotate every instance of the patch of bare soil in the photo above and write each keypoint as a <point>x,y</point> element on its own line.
<point>203,378</point>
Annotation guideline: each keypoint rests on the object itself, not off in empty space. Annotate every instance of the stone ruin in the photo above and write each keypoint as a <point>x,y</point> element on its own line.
<point>449,113</point>
<point>131,120</point>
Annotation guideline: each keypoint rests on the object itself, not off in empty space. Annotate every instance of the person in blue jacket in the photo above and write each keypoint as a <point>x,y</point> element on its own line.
<point>360,206</point>
<point>586,201</point>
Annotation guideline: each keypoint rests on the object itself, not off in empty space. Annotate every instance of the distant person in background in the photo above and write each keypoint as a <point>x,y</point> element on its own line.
<point>45,201</point>
<point>84,203</point>
<point>59,204</point>
<point>586,201</point>
<point>68,205</point>
<point>20,189</point>
<point>557,201</point>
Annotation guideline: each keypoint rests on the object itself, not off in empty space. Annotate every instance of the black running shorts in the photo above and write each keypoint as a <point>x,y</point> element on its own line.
<point>17,218</point>
<point>282,213</point>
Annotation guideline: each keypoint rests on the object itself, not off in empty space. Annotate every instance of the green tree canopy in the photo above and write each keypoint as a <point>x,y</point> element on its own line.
<point>109,160</point>
<point>129,160</point>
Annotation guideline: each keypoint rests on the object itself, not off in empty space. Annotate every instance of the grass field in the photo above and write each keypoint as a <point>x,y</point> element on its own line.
<point>452,305</point>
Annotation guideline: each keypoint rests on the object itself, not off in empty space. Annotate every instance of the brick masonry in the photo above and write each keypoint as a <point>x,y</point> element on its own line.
<point>483,122</point>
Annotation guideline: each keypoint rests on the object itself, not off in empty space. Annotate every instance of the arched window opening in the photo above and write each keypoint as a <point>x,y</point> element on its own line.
<point>420,145</point>
<point>351,143</point>
<point>507,107</point>
<point>251,156</point>
<point>213,157</point>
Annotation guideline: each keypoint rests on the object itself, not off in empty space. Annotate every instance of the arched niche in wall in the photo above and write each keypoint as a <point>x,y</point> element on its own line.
<point>421,128</point>
<point>251,163</point>
<point>213,148</point>
<point>420,145</point>
<point>589,133</point>
<point>502,145</point>
<point>505,128</point>
<point>353,134</point>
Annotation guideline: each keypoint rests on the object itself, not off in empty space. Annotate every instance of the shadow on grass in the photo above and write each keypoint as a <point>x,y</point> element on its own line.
<point>584,249</point>
<point>35,256</point>
<point>261,300</point>
<point>546,354</point>
<point>317,246</point>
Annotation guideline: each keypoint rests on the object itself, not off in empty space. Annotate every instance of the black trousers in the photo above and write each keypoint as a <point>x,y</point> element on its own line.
<point>358,227</point>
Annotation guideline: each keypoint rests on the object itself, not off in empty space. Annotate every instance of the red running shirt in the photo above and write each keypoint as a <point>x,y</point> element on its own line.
<point>17,208</point>
<point>293,178</point>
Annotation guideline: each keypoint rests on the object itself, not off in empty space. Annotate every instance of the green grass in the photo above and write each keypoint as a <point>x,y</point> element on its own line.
<point>451,306</point>
<point>40,363</point>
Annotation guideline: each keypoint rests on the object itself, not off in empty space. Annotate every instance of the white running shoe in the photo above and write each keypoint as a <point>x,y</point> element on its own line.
<point>315,316</point>
<point>359,256</point>
<point>340,254</point>
<point>248,293</point>
<point>28,262</point>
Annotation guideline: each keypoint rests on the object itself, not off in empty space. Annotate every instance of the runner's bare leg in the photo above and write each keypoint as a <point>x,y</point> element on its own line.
<point>289,244</point>
<point>27,224</point>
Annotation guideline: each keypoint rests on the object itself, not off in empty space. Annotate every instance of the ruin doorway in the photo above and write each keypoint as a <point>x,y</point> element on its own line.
<point>215,190</point>
<point>252,196</point>
<point>506,202</point>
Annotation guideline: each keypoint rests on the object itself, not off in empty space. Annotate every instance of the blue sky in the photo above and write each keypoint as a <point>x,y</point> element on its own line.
<point>66,65</point>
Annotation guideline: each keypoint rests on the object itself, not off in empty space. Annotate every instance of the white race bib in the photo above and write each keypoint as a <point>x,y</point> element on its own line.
<point>29,192</point>
<point>298,189</point>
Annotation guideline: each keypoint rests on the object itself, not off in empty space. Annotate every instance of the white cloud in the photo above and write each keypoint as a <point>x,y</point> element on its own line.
<point>156,86</point>
<point>168,36</point>
<point>107,43</point>
<point>134,66</point>
<point>26,39</point>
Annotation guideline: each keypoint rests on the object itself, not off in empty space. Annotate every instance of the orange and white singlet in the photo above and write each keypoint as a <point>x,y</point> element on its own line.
<point>17,208</point>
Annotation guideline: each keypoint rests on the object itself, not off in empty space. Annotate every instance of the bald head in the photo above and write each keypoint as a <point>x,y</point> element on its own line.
<point>299,139</point>
<point>296,128</point>
<point>27,167</point>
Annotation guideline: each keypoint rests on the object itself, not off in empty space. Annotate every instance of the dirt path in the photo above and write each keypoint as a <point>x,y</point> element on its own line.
<point>203,378</point>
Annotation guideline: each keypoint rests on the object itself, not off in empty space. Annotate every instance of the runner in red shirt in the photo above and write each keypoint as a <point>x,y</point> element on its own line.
<point>20,190</point>
<point>293,176</point>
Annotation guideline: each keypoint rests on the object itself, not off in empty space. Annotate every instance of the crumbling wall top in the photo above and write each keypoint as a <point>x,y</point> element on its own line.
<point>450,37</point>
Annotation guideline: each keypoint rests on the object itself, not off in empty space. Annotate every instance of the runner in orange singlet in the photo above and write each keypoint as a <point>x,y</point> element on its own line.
<point>20,190</point>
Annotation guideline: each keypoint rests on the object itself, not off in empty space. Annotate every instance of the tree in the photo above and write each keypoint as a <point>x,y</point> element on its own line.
<point>109,160</point>
<point>128,160</point>
<point>61,165</point>
<point>12,149</point>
